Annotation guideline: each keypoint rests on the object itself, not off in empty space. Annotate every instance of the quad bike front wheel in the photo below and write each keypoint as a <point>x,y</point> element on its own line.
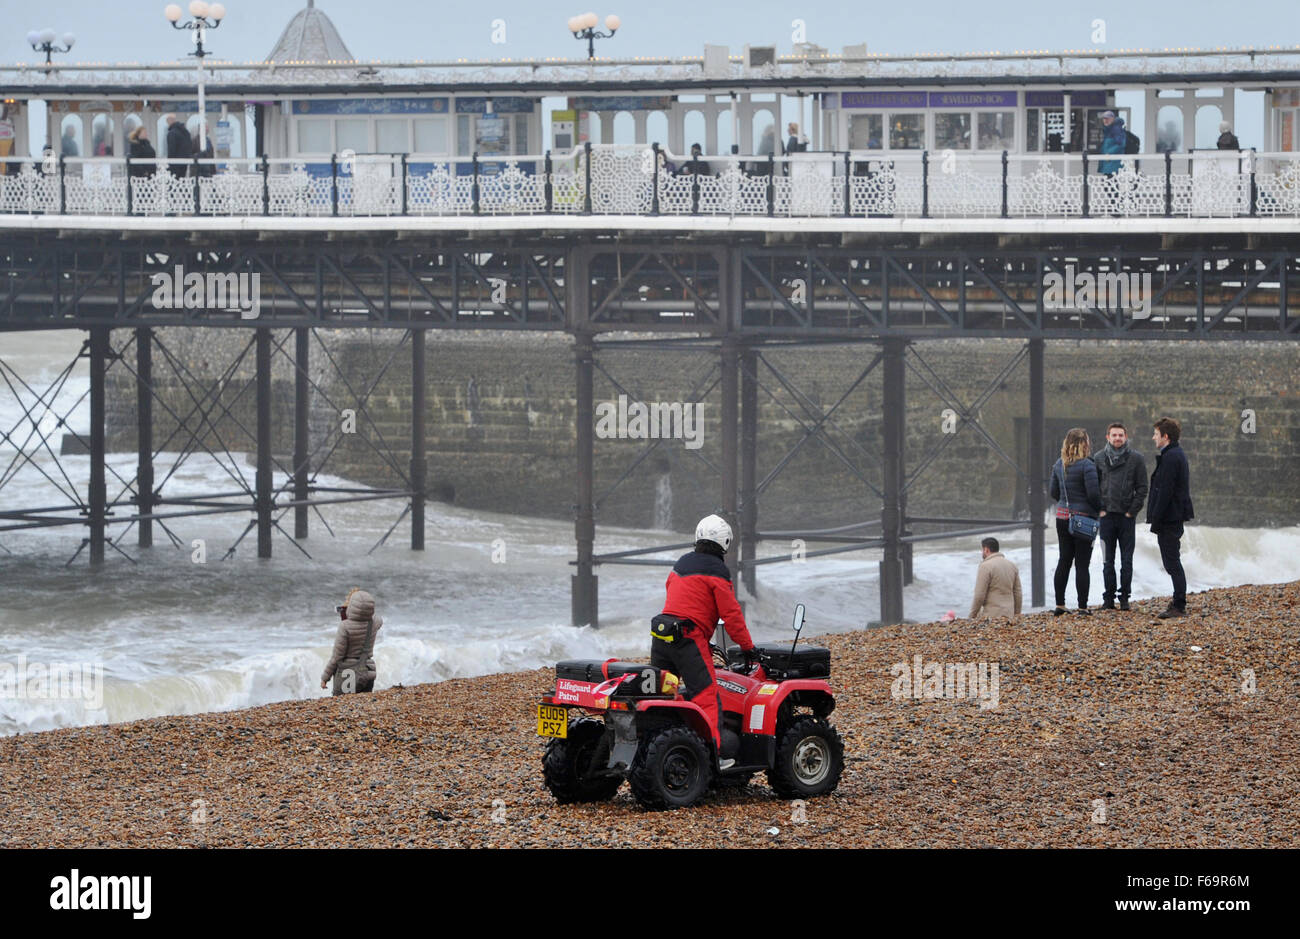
<point>567,763</point>
<point>809,759</point>
<point>672,769</point>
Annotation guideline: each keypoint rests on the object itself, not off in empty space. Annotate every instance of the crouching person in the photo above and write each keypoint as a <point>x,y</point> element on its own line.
<point>351,664</point>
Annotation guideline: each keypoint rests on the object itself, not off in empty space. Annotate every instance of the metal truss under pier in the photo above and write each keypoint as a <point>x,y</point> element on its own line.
<point>735,296</point>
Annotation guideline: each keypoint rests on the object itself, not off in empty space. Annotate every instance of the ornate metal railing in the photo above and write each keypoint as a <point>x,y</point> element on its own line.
<point>639,180</point>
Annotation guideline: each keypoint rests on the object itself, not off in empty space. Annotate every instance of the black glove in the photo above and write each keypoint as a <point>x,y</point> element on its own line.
<point>751,656</point>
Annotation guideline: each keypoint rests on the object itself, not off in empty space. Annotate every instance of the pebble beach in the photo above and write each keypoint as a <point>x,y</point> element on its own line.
<point>1115,730</point>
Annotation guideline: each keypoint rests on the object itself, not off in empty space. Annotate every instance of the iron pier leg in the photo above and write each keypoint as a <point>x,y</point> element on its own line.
<point>98,492</point>
<point>891,516</point>
<point>749,467</point>
<point>263,478</point>
<point>301,449</point>
<point>418,468</point>
<point>144,433</point>
<point>584,581</point>
<point>730,431</point>
<point>1037,469</point>
<point>906,547</point>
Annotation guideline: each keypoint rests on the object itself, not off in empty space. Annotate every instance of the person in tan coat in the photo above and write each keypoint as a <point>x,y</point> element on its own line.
<point>351,664</point>
<point>997,585</point>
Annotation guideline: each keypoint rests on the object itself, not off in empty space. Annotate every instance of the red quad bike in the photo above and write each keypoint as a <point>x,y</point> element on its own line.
<point>610,721</point>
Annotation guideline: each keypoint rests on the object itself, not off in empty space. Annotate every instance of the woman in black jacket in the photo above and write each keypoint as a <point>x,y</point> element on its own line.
<point>141,149</point>
<point>1083,496</point>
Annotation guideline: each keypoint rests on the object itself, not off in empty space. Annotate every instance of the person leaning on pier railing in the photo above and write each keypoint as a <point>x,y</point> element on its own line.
<point>141,149</point>
<point>351,664</point>
<point>179,148</point>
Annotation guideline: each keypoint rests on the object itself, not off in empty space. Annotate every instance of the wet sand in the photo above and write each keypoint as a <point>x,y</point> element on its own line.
<point>1108,731</point>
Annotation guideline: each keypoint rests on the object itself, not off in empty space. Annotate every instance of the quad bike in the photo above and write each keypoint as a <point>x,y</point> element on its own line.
<point>610,721</point>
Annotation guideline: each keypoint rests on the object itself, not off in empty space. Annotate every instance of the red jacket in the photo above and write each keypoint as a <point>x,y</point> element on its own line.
<point>700,589</point>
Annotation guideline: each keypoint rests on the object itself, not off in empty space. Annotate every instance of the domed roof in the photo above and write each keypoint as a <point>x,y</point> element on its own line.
<point>310,37</point>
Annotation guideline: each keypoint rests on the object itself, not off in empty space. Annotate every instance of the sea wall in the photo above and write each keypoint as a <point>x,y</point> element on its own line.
<point>500,415</point>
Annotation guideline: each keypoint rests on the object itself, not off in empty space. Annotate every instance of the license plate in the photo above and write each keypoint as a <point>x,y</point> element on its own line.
<point>552,721</point>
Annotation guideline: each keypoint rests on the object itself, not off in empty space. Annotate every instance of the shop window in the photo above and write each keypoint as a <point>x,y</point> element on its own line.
<point>431,135</point>
<point>392,135</point>
<point>352,135</point>
<point>314,136</point>
<point>952,131</point>
<point>997,130</point>
<point>866,132</point>
<point>907,131</point>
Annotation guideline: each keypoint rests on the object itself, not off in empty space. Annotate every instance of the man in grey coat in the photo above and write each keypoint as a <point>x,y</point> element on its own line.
<point>351,664</point>
<point>1122,478</point>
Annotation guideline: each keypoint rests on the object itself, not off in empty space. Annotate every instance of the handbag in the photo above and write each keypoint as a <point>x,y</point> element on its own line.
<point>1080,526</point>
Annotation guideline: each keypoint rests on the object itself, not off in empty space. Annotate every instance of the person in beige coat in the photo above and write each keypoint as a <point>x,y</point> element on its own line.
<point>997,585</point>
<point>351,664</point>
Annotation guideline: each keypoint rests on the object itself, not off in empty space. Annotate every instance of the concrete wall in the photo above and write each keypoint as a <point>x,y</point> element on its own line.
<point>500,419</point>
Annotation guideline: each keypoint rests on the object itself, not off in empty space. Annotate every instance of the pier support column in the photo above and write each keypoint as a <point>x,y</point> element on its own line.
<point>262,481</point>
<point>730,432</point>
<point>749,467</point>
<point>97,493</point>
<point>1036,472</point>
<point>418,468</point>
<point>144,434</point>
<point>301,442</point>
<point>584,587</point>
<point>891,516</point>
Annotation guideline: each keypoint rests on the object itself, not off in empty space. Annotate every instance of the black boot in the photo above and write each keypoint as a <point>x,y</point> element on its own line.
<point>1107,604</point>
<point>1173,611</point>
<point>1123,605</point>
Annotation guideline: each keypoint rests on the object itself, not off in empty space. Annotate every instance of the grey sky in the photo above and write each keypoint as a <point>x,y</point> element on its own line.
<point>134,30</point>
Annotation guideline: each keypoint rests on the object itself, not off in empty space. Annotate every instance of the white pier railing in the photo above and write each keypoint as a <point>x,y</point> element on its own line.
<point>640,180</point>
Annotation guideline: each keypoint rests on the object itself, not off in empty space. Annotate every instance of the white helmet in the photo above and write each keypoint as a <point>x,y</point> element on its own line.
<point>714,528</point>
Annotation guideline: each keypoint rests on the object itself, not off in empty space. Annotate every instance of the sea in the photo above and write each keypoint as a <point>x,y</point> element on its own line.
<point>182,628</point>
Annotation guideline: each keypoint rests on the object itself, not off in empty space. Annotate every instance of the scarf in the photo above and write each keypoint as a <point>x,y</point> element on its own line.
<point>1114,457</point>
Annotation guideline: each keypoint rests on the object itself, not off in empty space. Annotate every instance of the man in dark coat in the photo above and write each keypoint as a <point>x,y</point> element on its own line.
<point>1122,478</point>
<point>1169,504</point>
<point>179,147</point>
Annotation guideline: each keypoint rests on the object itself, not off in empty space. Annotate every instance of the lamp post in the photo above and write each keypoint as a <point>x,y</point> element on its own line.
<point>43,40</point>
<point>206,16</point>
<point>583,26</point>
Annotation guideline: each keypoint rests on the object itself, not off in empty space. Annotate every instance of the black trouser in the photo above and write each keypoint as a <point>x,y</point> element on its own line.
<point>685,658</point>
<point>1168,537</point>
<point>1076,552</point>
<point>1117,528</point>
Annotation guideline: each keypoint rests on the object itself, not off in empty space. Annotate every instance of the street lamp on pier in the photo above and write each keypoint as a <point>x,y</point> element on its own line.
<point>43,40</point>
<point>583,26</point>
<point>206,16</point>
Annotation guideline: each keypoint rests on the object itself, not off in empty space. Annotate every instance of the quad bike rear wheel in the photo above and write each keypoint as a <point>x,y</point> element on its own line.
<point>809,759</point>
<point>672,769</point>
<point>567,762</point>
